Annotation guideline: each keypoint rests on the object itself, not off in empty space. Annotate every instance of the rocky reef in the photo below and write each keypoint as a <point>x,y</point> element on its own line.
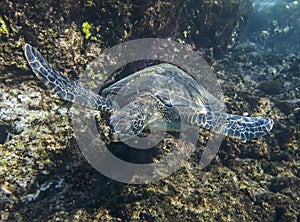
<point>45,177</point>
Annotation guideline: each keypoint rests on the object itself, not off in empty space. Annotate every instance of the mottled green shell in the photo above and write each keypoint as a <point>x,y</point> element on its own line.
<point>170,84</point>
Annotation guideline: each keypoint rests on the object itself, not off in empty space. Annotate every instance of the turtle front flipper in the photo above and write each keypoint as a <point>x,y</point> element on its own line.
<point>64,87</point>
<point>240,127</point>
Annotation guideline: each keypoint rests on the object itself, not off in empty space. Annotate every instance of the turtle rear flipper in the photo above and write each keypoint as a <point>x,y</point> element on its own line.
<point>64,87</point>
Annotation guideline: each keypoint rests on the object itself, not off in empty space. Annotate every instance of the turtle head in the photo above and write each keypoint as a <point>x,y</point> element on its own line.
<point>128,122</point>
<point>124,126</point>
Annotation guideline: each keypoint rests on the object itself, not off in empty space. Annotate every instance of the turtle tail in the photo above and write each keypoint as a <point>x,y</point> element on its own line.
<point>240,127</point>
<point>64,87</point>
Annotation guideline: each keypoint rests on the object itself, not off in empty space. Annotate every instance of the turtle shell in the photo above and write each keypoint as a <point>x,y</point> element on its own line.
<point>170,84</point>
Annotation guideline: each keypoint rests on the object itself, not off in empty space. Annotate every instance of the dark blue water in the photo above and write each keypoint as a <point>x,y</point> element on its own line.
<point>275,25</point>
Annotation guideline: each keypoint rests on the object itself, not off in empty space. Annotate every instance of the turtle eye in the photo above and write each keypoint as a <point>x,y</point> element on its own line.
<point>164,101</point>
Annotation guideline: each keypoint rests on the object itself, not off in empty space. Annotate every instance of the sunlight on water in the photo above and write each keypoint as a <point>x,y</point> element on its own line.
<point>264,4</point>
<point>260,6</point>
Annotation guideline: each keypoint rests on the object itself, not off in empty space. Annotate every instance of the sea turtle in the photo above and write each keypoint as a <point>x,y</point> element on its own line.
<point>159,93</point>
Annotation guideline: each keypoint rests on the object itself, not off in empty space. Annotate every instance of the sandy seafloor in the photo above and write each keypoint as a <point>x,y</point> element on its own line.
<point>45,177</point>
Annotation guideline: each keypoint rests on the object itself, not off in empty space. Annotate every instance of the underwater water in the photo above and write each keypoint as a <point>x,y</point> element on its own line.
<point>262,6</point>
<point>251,49</point>
<point>275,25</point>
